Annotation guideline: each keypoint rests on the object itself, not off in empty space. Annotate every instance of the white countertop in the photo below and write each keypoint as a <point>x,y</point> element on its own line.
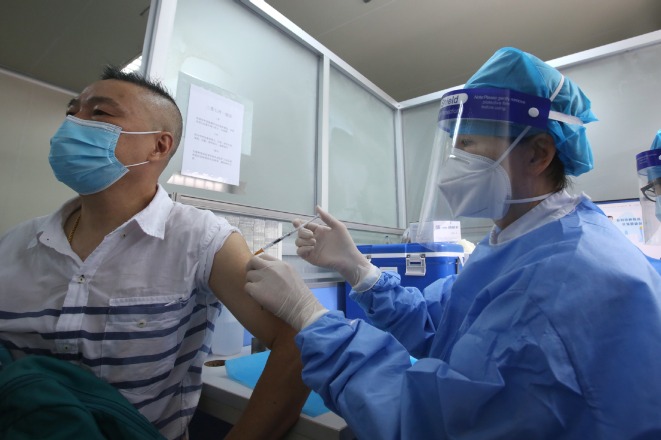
<point>225,399</point>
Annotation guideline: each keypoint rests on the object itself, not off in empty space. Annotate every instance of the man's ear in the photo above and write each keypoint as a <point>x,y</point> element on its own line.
<point>541,153</point>
<point>163,147</point>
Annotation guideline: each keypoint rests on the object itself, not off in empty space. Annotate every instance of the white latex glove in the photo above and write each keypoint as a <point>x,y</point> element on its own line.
<point>332,247</point>
<point>278,287</point>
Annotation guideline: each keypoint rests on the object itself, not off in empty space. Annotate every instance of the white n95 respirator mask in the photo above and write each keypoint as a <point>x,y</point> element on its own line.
<point>475,186</point>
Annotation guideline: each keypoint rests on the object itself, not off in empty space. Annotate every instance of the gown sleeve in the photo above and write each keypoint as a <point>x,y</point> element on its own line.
<point>494,385</point>
<point>408,314</point>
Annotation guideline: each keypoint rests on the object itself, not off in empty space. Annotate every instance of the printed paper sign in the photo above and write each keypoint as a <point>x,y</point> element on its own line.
<point>212,143</point>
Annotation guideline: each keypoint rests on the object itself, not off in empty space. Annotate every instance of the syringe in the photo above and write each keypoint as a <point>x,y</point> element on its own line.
<point>286,235</point>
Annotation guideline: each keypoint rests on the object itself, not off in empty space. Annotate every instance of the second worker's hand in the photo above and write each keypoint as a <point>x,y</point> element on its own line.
<point>277,287</point>
<point>330,245</point>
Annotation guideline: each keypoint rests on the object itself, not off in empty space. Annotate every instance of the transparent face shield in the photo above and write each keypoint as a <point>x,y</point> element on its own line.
<point>473,170</point>
<point>648,164</point>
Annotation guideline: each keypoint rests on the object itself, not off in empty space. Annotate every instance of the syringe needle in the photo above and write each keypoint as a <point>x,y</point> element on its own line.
<point>278,240</point>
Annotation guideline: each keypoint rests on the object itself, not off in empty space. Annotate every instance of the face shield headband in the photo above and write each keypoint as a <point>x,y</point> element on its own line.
<point>476,185</point>
<point>480,108</point>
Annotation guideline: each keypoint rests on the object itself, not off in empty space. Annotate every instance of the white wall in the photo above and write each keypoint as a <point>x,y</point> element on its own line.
<point>625,90</point>
<point>29,115</point>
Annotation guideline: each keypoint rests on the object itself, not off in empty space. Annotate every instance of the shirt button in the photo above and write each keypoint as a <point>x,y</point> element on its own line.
<point>66,348</point>
<point>81,279</point>
<point>142,323</point>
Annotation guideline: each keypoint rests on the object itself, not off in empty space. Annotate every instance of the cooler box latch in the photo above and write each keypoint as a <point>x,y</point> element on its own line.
<point>415,265</point>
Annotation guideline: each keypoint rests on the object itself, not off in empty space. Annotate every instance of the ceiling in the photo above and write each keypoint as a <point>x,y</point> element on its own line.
<point>408,48</point>
<point>66,43</point>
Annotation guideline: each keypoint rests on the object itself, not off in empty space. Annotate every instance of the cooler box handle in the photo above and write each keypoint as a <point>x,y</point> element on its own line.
<point>416,265</point>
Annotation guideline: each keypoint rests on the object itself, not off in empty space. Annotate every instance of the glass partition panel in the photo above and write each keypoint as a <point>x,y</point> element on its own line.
<point>222,48</point>
<point>362,179</point>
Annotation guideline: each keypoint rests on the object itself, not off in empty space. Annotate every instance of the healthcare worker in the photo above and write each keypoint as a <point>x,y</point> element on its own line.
<point>648,164</point>
<point>551,330</point>
<point>652,168</point>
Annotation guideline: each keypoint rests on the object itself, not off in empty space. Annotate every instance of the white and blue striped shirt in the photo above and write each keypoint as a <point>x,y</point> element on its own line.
<point>138,312</point>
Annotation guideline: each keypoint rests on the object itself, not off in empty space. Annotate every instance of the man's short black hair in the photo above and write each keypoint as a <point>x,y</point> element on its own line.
<point>156,87</point>
<point>114,72</point>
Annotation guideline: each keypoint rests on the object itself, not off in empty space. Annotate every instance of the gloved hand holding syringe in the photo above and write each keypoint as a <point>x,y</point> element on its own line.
<point>278,287</point>
<point>274,242</point>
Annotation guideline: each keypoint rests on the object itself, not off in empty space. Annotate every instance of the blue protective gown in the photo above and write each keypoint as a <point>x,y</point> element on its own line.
<point>553,335</point>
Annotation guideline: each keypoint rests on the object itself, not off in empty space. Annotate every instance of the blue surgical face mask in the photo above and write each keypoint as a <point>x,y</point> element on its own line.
<point>82,154</point>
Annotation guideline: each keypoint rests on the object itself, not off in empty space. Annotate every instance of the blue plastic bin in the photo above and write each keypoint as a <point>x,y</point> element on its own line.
<point>418,265</point>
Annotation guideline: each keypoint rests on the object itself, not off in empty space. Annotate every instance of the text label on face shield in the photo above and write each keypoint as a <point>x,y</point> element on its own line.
<point>457,99</point>
<point>490,104</point>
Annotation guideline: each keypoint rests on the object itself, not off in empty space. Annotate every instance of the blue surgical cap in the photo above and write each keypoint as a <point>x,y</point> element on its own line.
<point>656,143</point>
<point>513,69</point>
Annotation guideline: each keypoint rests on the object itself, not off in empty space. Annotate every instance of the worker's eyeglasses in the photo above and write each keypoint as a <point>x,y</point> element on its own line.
<point>648,192</point>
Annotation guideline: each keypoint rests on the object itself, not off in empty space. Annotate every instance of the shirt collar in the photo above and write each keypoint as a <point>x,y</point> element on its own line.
<point>152,219</point>
<point>51,230</point>
<point>554,207</point>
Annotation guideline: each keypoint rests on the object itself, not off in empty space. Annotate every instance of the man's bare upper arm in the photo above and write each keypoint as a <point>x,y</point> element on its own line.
<point>227,280</point>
